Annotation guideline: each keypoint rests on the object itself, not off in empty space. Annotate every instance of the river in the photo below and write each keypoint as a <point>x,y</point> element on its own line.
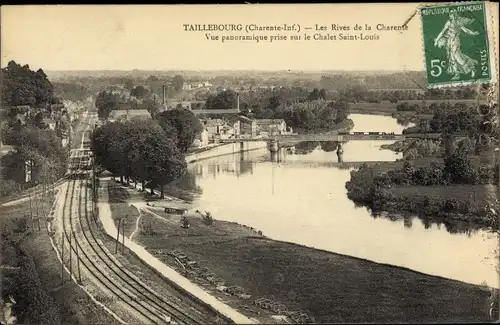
<point>302,199</point>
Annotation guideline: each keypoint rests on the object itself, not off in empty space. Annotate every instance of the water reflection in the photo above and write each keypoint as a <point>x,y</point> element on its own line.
<point>404,121</point>
<point>238,166</point>
<point>302,199</point>
<point>452,227</point>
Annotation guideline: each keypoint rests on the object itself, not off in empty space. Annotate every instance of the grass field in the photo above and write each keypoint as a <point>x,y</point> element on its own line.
<point>475,195</point>
<point>330,287</point>
<point>37,284</point>
<point>121,209</point>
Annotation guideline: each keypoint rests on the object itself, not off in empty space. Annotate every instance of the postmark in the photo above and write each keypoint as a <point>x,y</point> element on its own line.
<point>456,44</point>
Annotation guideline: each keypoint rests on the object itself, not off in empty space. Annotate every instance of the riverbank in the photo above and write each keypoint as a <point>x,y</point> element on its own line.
<point>244,268</point>
<point>465,203</point>
<point>34,275</point>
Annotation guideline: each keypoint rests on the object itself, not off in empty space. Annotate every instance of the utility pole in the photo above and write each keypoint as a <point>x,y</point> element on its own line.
<point>78,263</point>
<point>31,209</point>
<point>70,260</point>
<point>118,236</point>
<point>62,258</point>
<point>123,236</point>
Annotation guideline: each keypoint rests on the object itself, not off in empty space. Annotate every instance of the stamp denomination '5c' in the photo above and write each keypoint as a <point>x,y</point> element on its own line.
<point>456,44</point>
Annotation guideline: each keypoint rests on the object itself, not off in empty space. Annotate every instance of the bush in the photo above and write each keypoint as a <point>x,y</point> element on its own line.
<point>208,219</point>
<point>9,187</point>
<point>34,304</point>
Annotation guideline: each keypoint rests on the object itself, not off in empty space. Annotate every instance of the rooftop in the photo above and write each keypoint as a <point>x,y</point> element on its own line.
<point>269,121</point>
<point>213,122</point>
<point>131,113</point>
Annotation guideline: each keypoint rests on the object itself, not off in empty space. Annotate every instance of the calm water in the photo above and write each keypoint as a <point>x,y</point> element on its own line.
<point>302,199</point>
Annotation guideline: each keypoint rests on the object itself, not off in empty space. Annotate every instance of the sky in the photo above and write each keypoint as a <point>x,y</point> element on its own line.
<point>152,37</point>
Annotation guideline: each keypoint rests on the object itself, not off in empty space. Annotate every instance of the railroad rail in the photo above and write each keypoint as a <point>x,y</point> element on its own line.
<point>106,270</point>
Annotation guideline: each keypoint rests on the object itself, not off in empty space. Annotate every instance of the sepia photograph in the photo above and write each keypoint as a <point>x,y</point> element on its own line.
<point>251,163</point>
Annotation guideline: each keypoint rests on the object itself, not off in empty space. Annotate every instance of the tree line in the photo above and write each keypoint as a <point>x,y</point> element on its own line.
<point>150,152</point>
<point>457,169</point>
<point>299,107</point>
<point>461,119</point>
<point>27,96</point>
<point>23,86</point>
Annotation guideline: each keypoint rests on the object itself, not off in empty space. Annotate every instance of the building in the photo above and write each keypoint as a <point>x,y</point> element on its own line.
<point>212,126</point>
<point>51,124</point>
<point>221,129</point>
<point>190,105</point>
<point>116,115</point>
<point>226,131</point>
<point>247,127</point>
<point>271,126</point>
<point>203,137</point>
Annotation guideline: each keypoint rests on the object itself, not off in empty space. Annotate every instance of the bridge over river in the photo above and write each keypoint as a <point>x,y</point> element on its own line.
<point>285,138</point>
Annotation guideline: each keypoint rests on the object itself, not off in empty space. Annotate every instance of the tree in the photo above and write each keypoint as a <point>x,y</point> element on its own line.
<point>23,86</point>
<point>314,94</point>
<point>152,107</point>
<point>129,84</point>
<point>186,125</point>
<point>105,103</point>
<point>226,99</point>
<point>342,109</point>
<point>458,169</point>
<point>139,150</point>
<point>178,82</point>
<point>101,141</point>
<point>139,92</point>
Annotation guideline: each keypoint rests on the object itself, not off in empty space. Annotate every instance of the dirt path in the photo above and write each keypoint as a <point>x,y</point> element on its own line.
<point>137,222</point>
<point>166,271</point>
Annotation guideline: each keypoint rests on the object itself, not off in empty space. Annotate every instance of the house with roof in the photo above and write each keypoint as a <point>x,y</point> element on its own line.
<point>117,115</point>
<point>51,123</point>
<point>271,126</point>
<point>214,128</point>
<point>187,104</point>
<point>248,127</point>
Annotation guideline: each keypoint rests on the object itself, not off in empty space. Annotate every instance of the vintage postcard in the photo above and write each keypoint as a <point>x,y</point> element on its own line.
<point>217,164</point>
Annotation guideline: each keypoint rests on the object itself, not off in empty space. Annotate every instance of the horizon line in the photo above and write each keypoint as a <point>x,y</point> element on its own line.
<point>229,70</point>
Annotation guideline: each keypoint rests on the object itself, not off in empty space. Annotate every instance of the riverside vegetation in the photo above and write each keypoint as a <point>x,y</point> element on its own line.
<point>437,179</point>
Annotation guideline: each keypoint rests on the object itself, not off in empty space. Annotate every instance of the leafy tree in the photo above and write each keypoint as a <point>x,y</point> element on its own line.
<point>316,94</point>
<point>139,150</point>
<point>105,103</point>
<point>138,140</point>
<point>139,92</point>
<point>342,109</point>
<point>226,99</point>
<point>178,82</point>
<point>186,124</point>
<point>458,169</point>
<point>152,107</point>
<point>101,141</point>
<point>23,86</point>
<point>129,84</point>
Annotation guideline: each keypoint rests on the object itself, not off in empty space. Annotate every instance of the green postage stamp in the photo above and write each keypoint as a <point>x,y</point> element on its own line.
<point>456,44</point>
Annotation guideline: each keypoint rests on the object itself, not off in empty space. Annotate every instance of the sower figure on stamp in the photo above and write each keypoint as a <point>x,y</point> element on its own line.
<point>449,37</point>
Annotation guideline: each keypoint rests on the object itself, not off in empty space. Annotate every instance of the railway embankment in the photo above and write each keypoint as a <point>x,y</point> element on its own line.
<point>33,275</point>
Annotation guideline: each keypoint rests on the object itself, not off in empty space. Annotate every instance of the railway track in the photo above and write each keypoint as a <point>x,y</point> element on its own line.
<point>144,302</point>
<point>163,305</point>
